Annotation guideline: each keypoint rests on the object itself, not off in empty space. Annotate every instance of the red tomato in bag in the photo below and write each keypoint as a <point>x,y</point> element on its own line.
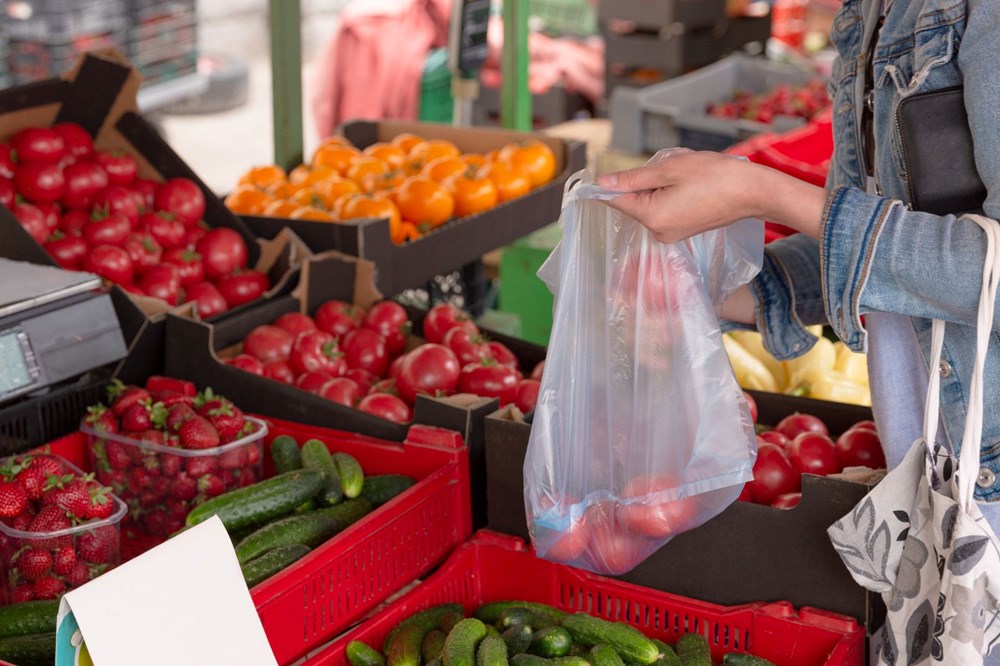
<point>566,546</point>
<point>652,515</point>
<point>612,549</point>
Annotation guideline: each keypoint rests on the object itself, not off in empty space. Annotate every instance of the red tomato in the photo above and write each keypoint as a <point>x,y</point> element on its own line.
<point>242,287</point>
<point>188,265</point>
<point>385,406</point>
<point>389,319</point>
<point>442,318</point>
<point>488,379</point>
<point>144,251</point>
<point>268,343</point>
<point>744,495</point>
<point>387,386</point>
<point>367,350</point>
<point>860,447</point>
<point>163,282</point>
<point>183,198</point>
<point>503,355</point>
<point>468,347</point>
<point>76,140</point>
<point>120,167</point>
<point>814,453</point>
<point>209,301</point>
<point>650,513</point>
<point>279,371</point>
<point>7,164</point>
<point>395,366</point>
<point>314,381</point>
<point>111,229</point>
<point>84,181</point>
<point>865,425</point>
<point>52,214</point>
<point>295,323</point>
<point>132,289</point>
<point>38,144</point>
<point>33,221</point>
<point>39,182</point>
<point>773,475</point>
<point>147,189</point>
<point>566,546</point>
<point>427,369</point>
<point>776,438</point>
<point>109,262</point>
<point>364,379</point>
<point>317,350</point>
<point>338,317</point>
<point>117,199</point>
<point>527,395</point>
<point>68,251</point>
<point>72,222</point>
<point>223,251</point>
<point>536,373</point>
<point>792,426</point>
<point>342,391</point>
<point>787,501</point>
<point>247,363</point>
<point>193,235</point>
<point>752,404</point>
<point>7,192</point>
<point>611,548</point>
<point>167,231</point>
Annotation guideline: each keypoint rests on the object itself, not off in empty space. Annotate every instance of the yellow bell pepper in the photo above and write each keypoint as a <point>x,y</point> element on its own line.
<point>828,385</point>
<point>853,365</point>
<point>754,343</point>
<point>750,372</point>
<point>822,357</point>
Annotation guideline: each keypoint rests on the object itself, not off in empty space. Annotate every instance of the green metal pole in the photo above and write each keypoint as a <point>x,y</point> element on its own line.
<point>516,99</point>
<point>286,80</point>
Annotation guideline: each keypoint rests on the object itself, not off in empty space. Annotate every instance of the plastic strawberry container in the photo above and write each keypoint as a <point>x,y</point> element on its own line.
<point>95,545</point>
<point>161,484</point>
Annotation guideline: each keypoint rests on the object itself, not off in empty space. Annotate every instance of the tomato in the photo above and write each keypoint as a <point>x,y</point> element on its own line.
<point>792,426</point>
<point>68,251</point>
<point>111,229</point>
<point>744,495</point>
<point>472,193</point>
<point>389,319</point>
<point>317,350</point>
<point>242,287</point>
<point>192,235</point>
<point>183,198</point>
<point>442,318</point>
<point>76,140</point>
<point>385,406</point>
<point>84,181</point>
<point>279,371</point>
<point>334,156</point>
<point>342,391</point>
<point>313,381</point>
<point>52,214</point>
<point>364,379</point>
<point>72,222</point>
<point>146,189</point>
<point>39,182</point>
<point>536,372</point>
<point>144,251</point>
<point>388,153</point>
<point>7,192</point>
<point>38,144</point>
<point>814,453</point>
<point>246,363</point>
<point>295,323</point>
<point>776,438</point>
<point>787,501</point>
<point>363,206</point>
<point>384,386</point>
<point>223,251</point>
<point>428,369</point>
<point>865,425</point>
<point>612,550</point>
<point>117,199</point>
<point>33,221</point>
<point>773,475</point>
<point>650,513</point>
<point>188,265</point>
<point>268,343</point>
<point>167,231</point>
<point>527,395</point>
<point>338,317</point>
<point>533,158</point>
<point>132,288</point>
<point>860,447</point>
<point>564,546</point>
<point>209,301</point>
<point>365,166</point>
<point>121,167</point>
<point>264,176</point>
<point>468,347</point>
<point>109,262</point>
<point>367,350</point>
<point>162,282</point>
<point>431,149</point>
<point>424,202</point>
<point>502,355</point>
<point>488,379</point>
<point>7,163</point>
<point>395,366</point>
<point>406,141</point>
<point>752,404</point>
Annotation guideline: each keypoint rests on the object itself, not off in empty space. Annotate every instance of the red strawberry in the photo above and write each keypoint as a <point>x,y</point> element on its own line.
<point>227,419</point>
<point>49,519</point>
<point>101,505</point>
<point>247,479</point>
<point>183,487</point>
<point>178,509</point>
<point>64,560</point>
<point>100,418</point>
<point>253,455</point>
<point>136,418</point>
<point>206,401</point>
<point>157,522</point>
<point>201,465</point>
<point>79,575</point>
<point>23,593</point>
<point>211,485</point>
<point>178,415</point>
<point>198,433</point>
<point>33,481</point>
<point>138,479</point>
<point>20,522</point>
<point>170,464</point>
<point>48,588</point>
<point>119,455</point>
<point>148,499</point>
<point>151,463</point>
<point>233,458</point>
<point>74,498</point>
<point>13,499</point>
<point>156,437</point>
<point>47,464</point>
<point>159,486</point>
<point>34,563</point>
<point>125,397</point>
<point>97,547</point>
<point>168,400</point>
<point>158,383</point>
<point>175,525</point>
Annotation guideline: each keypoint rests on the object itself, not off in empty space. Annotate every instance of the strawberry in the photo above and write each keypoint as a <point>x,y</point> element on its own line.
<point>23,593</point>
<point>183,487</point>
<point>178,509</point>
<point>211,485</point>
<point>48,588</point>
<point>20,522</point>
<point>228,421</point>
<point>101,505</point>
<point>79,575</point>
<point>247,479</point>
<point>253,455</point>
<point>178,415</point>
<point>138,479</point>
<point>34,563</point>
<point>158,383</point>
<point>97,547</point>
<point>171,399</point>
<point>157,522</point>
<point>148,499</point>
<point>123,397</point>
<point>101,419</point>
<point>13,499</point>
<point>156,437</point>
<point>64,560</point>
<point>32,480</point>
<point>119,455</point>
<point>49,519</point>
<point>233,458</point>
<point>175,525</point>
<point>160,486</point>
<point>74,498</point>
<point>47,464</point>
<point>170,464</point>
<point>198,433</point>
<point>207,401</point>
<point>151,463</point>
<point>136,418</point>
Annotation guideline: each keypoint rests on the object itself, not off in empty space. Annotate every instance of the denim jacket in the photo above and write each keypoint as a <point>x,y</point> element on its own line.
<point>875,254</point>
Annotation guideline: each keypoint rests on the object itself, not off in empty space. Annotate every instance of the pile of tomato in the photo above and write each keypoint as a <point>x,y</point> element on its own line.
<point>417,184</point>
<point>89,209</point>
<point>784,100</point>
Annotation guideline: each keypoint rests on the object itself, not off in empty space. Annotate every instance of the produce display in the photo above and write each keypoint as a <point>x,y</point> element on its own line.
<point>90,211</point>
<point>166,448</point>
<point>59,528</point>
<point>417,183</point>
<point>784,100</point>
<point>360,359</point>
<point>28,633</point>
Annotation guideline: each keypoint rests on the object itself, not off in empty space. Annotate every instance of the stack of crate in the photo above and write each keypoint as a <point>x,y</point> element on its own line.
<point>162,39</point>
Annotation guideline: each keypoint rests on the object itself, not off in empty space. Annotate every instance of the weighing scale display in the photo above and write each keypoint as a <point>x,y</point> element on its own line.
<point>13,368</point>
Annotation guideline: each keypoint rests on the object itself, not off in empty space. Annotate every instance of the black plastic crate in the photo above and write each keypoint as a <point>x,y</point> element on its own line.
<point>162,38</point>
<point>31,60</point>
<point>552,107</point>
<point>659,13</point>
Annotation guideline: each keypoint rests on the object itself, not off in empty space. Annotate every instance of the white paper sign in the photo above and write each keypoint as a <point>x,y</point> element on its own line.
<point>183,602</point>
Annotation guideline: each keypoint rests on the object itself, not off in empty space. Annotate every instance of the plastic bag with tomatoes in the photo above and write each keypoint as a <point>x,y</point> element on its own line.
<point>640,431</point>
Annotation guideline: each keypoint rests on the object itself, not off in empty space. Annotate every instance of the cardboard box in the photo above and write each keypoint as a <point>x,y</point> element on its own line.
<point>747,553</point>
<point>457,242</point>
<point>100,95</point>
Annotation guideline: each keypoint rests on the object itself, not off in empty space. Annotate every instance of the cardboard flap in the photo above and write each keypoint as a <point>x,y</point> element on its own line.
<point>509,413</point>
<point>321,271</point>
<point>104,88</point>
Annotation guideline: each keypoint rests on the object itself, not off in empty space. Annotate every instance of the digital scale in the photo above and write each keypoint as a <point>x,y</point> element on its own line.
<point>54,325</point>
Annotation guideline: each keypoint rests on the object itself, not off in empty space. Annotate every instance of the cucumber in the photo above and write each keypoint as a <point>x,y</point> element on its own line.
<point>518,639</point>
<point>317,457</point>
<point>577,650</point>
<point>460,646</point>
<point>490,613</point>
<point>492,651</point>
<point>520,616</point>
<point>404,648</point>
<point>308,505</point>
<point>605,655</point>
<point>261,502</point>
<point>434,662</point>
<point>739,659</point>
<point>629,643</point>
<point>261,568</point>
<point>427,620</point>
<point>550,642</point>
<point>492,631</point>
<point>352,477</point>
<point>346,513</point>
<point>30,649</point>
<point>30,617</point>
<point>362,654</point>
<point>380,489</point>
<point>306,529</point>
<point>693,650</point>
<point>667,655</point>
<point>449,621</point>
<point>286,454</point>
<point>535,660</point>
<point>433,645</point>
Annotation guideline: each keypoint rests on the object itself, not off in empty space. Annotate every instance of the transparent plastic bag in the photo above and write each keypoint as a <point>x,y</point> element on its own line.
<point>640,431</point>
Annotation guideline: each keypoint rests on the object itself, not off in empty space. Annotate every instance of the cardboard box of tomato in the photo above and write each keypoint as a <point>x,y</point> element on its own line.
<point>99,190</point>
<point>454,243</point>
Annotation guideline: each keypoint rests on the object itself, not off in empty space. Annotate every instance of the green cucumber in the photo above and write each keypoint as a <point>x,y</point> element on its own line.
<point>693,650</point>
<point>427,620</point>
<point>261,568</point>
<point>307,529</point>
<point>518,639</point>
<point>352,477</point>
<point>317,457</point>
<point>346,513</point>
<point>404,648</point>
<point>30,649</point>
<point>490,613</point>
<point>434,662</point>
<point>739,659</point>
<point>460,646</point>
<point>520,616</point>
<point>550,642</point>
<point>629,643</point>
<point>308,505</point>
<point>380,489</point>
<point>433,645</point>
<point>535,660</point>
<point>492,631</point>
<point>604,655</point>
<point>577,650</point>
<point>30,617</point>
<point>667,655</point>
<point>449,621</point>
<point>492,651</point>
<point>261,502</point>
<point>286,454</point>
<point>362,654</point>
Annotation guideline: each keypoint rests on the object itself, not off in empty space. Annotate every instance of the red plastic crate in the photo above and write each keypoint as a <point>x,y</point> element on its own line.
<point>496,567</point>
